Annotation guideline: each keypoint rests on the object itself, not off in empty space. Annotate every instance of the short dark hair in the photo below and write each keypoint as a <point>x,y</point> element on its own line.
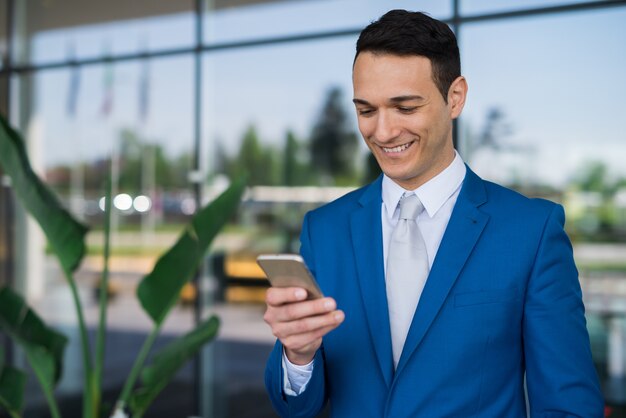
<point>403,33</point>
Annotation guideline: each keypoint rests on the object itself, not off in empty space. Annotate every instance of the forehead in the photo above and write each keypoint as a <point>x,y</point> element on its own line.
<point>386,75</point>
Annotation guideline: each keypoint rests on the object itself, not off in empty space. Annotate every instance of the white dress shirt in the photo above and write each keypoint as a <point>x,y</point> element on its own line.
<point>438,196</point>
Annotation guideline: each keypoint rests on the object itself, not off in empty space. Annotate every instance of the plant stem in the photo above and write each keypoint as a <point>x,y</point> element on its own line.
<point>104,297</point>
<point>52,403</point>
<point>139,361</point>
<point>11,413</point>
<point>88,372</point>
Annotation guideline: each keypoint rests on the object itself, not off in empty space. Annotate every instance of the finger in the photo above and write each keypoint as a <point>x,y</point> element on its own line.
<point>294,311</point>
<point>278,296</point>
<point>303,342</point>
<point>297,310</point>
<point>308,324</point>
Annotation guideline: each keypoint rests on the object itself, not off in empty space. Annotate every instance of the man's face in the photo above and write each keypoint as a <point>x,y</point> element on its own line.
<point>402,116</point>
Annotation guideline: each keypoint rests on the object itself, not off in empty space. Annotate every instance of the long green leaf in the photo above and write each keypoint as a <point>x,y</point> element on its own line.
<point>12,384</point>
<point>43,346</point>
<point>160,289</point>
<point>167,362</point>
<point>43,364</point>
<point>65,235</point>
<point>104,298</point>
<point>29,331</point>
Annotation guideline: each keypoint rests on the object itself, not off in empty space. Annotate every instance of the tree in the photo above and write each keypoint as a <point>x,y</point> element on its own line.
<point>334,143</point>
<point>372,169</point>
<point>295,171</point>
<point>260,164</point>
<point>594,178</point>
<point>496,129</point>
<point>222,162</point>
<point>290,162</point>
<point>135,152</point>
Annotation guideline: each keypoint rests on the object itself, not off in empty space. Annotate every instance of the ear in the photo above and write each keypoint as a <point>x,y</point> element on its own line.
<point>456,96</point>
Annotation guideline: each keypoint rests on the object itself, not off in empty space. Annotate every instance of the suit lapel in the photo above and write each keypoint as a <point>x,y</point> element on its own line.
<point>366,230</point>
<point>464,228</point>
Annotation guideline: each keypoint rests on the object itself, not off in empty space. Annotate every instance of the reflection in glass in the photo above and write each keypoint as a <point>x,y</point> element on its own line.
<point>545,116</point>
<point>542,96</point>
<point>284,109</point>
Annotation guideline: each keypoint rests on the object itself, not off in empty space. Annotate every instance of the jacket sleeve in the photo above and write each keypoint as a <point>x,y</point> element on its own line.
<point>310,402</point>
<point>560,376</point>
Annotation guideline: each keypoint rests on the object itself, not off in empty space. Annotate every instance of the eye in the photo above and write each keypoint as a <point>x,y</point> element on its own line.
<point>365,112</point>
<point>407,109</point>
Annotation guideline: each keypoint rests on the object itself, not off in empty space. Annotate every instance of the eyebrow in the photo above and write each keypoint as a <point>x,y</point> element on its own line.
<point>361,102</point>
<point>397,99</point>
<point>406,98</point>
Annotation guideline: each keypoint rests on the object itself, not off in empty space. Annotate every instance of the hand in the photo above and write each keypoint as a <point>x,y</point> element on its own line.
<point>298,323</point>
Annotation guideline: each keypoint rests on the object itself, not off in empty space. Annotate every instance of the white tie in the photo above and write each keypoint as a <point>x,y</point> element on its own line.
<point>407,271</point>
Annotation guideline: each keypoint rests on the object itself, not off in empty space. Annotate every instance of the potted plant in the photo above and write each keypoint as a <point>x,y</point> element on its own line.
<point>157,293</point>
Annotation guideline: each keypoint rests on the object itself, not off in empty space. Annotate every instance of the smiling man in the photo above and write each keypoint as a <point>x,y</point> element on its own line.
<point>447,296</point>
<point>404,119</point>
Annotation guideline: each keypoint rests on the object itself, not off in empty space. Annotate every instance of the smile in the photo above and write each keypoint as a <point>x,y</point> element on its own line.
<point>397,149</point>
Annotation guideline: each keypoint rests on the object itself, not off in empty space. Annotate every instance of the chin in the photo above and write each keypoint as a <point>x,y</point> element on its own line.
<point>398,177</point>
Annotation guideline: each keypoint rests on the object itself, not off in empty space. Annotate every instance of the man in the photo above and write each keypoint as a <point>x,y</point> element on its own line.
<point>451,310</point>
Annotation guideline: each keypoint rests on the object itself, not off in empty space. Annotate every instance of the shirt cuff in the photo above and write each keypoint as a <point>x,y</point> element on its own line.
<point>295,377</point>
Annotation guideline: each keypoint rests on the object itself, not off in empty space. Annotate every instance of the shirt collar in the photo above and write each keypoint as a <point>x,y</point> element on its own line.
<point>433,194</point>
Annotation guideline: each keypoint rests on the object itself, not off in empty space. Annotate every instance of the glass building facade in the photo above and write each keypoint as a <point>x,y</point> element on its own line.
<point>179,98</point>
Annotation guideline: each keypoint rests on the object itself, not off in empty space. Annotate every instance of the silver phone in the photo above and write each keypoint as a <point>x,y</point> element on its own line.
<point>289,270</point>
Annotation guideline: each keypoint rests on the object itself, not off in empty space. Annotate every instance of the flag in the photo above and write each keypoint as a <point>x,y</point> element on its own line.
<point>107,97</point>
<point>144,90</point>
<point>74,87</point>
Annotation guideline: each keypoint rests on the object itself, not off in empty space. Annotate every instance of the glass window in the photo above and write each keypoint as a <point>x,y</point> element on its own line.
<point>474,7</point>
<point>545,92</point>
<point>290,18</point>
<point>271,91</point>
<point>78,121</point>
<point>545,116</point>
<point>263,110</point>
<point>58,31</point>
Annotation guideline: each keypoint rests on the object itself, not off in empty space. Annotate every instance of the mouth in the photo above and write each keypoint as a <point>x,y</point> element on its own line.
<point>398,149</point>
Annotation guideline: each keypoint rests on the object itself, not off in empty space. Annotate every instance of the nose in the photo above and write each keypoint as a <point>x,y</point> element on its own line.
<point>386,129</point>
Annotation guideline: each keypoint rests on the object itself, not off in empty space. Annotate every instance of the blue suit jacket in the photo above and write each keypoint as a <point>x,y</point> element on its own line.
<point>502,304</point>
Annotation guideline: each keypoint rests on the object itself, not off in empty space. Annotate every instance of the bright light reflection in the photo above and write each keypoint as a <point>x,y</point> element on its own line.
<point>142,203</point>
<point>102,203</point>
<point>188,206</point>
<point>123,201</point>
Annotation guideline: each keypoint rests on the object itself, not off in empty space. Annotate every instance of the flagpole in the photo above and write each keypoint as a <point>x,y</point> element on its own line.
<point>77,193</point>
<point>106,109</point>
<point>148,160</point>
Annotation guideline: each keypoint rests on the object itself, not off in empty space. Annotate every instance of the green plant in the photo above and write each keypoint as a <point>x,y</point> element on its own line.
<point>157,294</point>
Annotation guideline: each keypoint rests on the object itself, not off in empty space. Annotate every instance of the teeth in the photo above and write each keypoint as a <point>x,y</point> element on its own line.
<point>399,148</point>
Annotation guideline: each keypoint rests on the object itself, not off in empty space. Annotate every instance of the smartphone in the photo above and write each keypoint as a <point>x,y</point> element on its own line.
<point>289,270</point>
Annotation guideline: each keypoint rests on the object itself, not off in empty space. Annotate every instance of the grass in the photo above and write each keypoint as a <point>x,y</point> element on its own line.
<point>169,227</point>
<point>173,227</point>
<point>134,250</point>
<point>613,267</point>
